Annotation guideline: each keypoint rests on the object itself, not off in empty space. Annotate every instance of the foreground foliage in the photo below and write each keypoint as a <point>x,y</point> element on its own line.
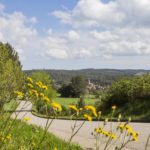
<point>26,137</point>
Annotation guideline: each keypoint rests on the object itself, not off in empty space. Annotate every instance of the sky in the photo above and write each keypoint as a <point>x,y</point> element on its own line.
<point>77,34</point>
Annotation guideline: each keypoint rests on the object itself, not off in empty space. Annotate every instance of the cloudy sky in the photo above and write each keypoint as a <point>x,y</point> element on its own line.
<point>75,34</point>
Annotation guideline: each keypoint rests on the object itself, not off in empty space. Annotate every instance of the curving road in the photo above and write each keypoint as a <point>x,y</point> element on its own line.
<point>62,129</point>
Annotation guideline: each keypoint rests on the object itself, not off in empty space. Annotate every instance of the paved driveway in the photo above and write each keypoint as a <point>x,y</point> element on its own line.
<point>62,129</point>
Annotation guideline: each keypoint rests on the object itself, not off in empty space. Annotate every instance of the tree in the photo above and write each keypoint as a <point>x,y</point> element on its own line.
<point>11,75</point>
<point>76,88</point>
<point>65,90</point>
<point>42,76</point>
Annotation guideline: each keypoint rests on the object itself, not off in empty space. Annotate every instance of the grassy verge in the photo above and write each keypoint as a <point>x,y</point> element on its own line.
<point>67,101</point>
<point>10,106</point>
<point>26,137</point>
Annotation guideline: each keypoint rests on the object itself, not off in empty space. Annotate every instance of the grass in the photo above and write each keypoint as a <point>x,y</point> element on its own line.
<point>67,101</point>
<point>26,137</point>
<point>10,106</point>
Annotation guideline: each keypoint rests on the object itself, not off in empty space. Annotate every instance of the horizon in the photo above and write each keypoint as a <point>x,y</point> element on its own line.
<point>86,69</point>
<point>72,35</point>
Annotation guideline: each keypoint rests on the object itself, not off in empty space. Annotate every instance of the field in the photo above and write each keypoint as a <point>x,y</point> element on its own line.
<point>67,101</point>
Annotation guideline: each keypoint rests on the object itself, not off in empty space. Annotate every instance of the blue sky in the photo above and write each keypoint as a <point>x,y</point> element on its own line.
<point>75,34</point>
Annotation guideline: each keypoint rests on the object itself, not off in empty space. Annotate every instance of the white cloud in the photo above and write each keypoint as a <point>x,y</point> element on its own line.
<point>95,13</point>
<point>57,53</point>
<point>54,47</point>
<point>121,31</point>
<point>73,35</point>
<point>14,30</point>
<point>83,53</point>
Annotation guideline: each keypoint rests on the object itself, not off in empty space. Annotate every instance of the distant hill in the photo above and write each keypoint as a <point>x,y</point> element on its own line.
<point>97,76</point>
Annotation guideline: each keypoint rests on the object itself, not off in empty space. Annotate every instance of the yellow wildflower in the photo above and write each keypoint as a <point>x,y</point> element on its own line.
<point>135,138</point>
<point>106,133</point>
<point>114,107</point>
<point>39,84</point>
<point>46,99</point>
<point>29,79</point>
<point>34,92</point>
<point>73,107</point>
<point>121,127</point>
<point>41,95</point>
<point>128,127</point>
<point>56,106</point>
<point>19,94</point>
<point>88,117</point>
<point>99,130</point>
<point>80,109</point>
<point>91,108</point>
<point>55,148</point>
<point>30,85</point>
<point>44,87</point>
<point>26,119</point>
<point>9,137</point>
<point>129,130</point>
<point>113,136</point>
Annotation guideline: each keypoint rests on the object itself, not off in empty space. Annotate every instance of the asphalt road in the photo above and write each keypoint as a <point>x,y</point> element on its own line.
<point>62,129</point>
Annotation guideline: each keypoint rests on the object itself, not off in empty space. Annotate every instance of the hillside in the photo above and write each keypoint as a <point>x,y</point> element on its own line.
<point>100,76</point>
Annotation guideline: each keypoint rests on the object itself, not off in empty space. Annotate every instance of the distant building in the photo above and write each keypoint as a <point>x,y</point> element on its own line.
<point>140,73</point>
<point>92,86</point>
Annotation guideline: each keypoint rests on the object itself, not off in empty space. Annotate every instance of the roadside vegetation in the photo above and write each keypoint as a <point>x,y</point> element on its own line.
<point>15,134</point>
<point>130,95</point>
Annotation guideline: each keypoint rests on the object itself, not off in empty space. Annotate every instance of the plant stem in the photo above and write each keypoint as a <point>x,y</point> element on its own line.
<point>146,146</point>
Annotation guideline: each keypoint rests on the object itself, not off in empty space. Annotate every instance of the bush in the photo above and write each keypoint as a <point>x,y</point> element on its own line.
<point>127,93</point>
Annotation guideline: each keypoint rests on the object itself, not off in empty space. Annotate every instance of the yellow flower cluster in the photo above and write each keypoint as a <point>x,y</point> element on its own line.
<point>40,85</point>
<point>5,139</point>
<point>19,94</point>
<point>56,106</point>
<point>46,99</point>
<point>106,133</point>
<point>29,79</point>
<point>130,131</point>
<point>73,107</point>
<point>30,85</point>
<point>33,92</point>
<point>88,117</point>
<point>92,109</point>
<point>41,95</point>
<point>44,87</point>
